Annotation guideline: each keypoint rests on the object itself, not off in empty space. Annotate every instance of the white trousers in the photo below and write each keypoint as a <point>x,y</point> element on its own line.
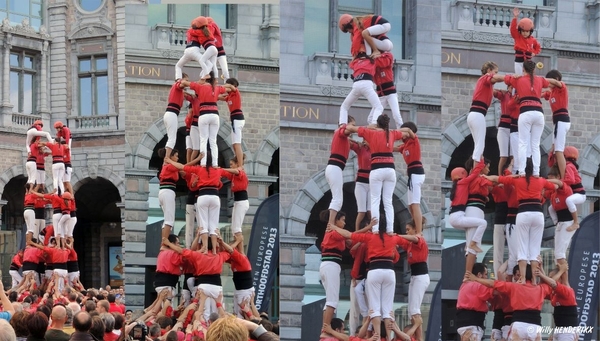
<point>32,133</point>
<point>363,197</point>
<point>531,127</point>
<point>529,229</point>
<point>70,226</point>
<point>565,337</point>
<point>503,137</point>
<point>514,150</point>
<point>195,137</point>
<point>382,45</point>
<point>380,288</point>
<point>361,297</point>
<point>477,126</point>
<point>190,219</point>
<point>63,223</point>
<point>392,101</point>
<point>58,172</point>
<point>31,168</point>
<point>382,182</point>
<point>239,296</point>
<point>68,174</point>
<point>499,239</point>
<point>475,234</point>
<point>518,68</point>
<point>416,291</point>
<point>512,242</point>
<point>459,220</point>
<point>560,140</point>
<point>29,216</point>
<point>335,179</point>
<point>41,177</point>
<point>208,208</point>
<point>562,239</point>
<point>209,58</point>
<point>166,199</point>
<point>170,121</point>
<point>354,313</point>
<point>222,60</point>
<point>72,276</point>
<point>16,278</point>
<point>209,128</point>
<point>365,89</point>
<point>62,278</point>
<point>477,332</point>
<point>524,331</point>
<point>189,54</point>
<point>237,216</point>
<point>573,200</point>
<point>414,193</point>
<point>55,223</point>
<point>329,274</point>
<point>236,134</point>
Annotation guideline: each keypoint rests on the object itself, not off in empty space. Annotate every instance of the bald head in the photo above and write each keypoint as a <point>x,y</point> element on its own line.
<point>59,313</point>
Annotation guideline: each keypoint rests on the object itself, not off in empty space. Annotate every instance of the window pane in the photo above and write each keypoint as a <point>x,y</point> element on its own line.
<point>85,96</point>
<point>90,5</point>
<point>219,15</point>
<point>102,89</point>
<point>157,14</point>
<point>101,64</point>
<point>356,4</point>
<point>316,27</point>
<point>19,6</point>
<point>27,94</point>
<point>3,5</point>
<point>16,19</point>
<point>36,10</point>
<point>184,14</point>
<point>393,11</point>
<point>36,23</point>
<point>154,2</point>
<point>14,59</point>
<point>14,91</point>
<point>28,62</point>
<point>85,65</point>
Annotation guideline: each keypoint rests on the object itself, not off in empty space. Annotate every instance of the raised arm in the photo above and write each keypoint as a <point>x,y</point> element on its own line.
<point>340,336</point>
<point>554,82</point>
<point>487,282</point>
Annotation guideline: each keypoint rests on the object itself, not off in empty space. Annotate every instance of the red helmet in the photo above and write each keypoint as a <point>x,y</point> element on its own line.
<point>58,124</point>
<point>344,22</point>
<point>209,20</point>
<point>525,24</point>
<point>38,123</point>
<point>458,173</point>
<point>67,196</point>
<point>571,153</point>
<point>200,22</point>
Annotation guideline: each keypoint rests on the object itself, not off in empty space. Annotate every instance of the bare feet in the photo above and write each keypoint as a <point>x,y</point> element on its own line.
<point>204,250</point>
<point>474,247</point>
<point>573,227</point>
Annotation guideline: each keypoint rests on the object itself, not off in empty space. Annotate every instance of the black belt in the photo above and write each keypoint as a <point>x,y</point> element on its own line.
<point>363,77</point>
<point>466,318</point>
<point>418,269</point>
<point>163,279</point>
<point>193,43</point>
<point>381,263</point>
<point>337,160</point>
<point>458,208</point>
<point>565,316</point>
<point>208,191</point>
<point>59,266</point>
<point>480,107</point>
<point>72,266</point>
<point>564,215</point>
<point>527,316</point>
<point>242,280</point>
<point>240,195</point>
<point>192,198</point>
<point>208,279</point>
<point>501,213</point>
<point>39,213</point>
<point>498,319</point>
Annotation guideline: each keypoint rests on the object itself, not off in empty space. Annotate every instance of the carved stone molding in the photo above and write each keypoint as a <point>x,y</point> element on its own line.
<point>91,31</point>
<point>24,29</point>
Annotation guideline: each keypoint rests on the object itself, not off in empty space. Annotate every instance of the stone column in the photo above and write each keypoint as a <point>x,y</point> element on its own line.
<point>57,29</point>
<point>2,203</point>
<point>7,107</point>
<point>43,101</point>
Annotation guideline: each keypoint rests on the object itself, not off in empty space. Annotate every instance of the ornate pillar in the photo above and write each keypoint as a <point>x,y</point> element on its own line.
<point>43,102</point>
<point>7,107</point>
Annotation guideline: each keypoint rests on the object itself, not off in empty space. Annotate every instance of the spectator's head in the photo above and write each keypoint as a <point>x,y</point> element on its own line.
<point>37,325</point>
<point>74,307</point>
<point>337,324</point>
<point>97,329</point>
<point>6,332</point>
<point>154,331</point>
<point>59,315</point>
<point>13,296</point>
<point>227,328</point>
<point>90,306</point>
<point>128,315</point>
<point>102,306</point>
<point>119,320</point>
<point>109,322</point>
<point>165,322</point>
<point>213,317</point>
<point>72,297</point>
<point>46,310</point>
<point>111,298</point>
<point>172,336</point>
<point>69,321</point>
<point>82,321</point>
<point>19,323</point>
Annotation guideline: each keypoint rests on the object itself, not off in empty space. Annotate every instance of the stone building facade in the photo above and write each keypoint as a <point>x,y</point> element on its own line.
<point>251,41</point>
<point>314,82</point>
<point>60,63</point>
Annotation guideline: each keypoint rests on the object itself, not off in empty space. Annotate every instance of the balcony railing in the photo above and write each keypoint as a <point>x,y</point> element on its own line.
<point>23,120</point>
<point>167,36</point>
<point>332,69</point>
<point>93,123</point>
<point>493,17</point>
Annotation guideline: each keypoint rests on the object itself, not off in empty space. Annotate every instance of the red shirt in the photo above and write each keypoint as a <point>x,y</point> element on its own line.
<point>65,133</point>
<point>363,156</point>
<point>239,182</point>
<point>39,202</point>
<point>378,248</point>
<point>478,192</point>
<point>40,161</point>
<point>32,254</point>
<point>216,32</point>
<point>529,96</point>
<point>523,44</point>
<point>411,151</point>
<point>461,193</point>
<point>525,191</point>
<point>524,296</point>
<point>499,194</point>
<point>234,103</point>
<point>482,96</point>
<point>110,336</point>
<point>381,149</point>
<point>116,308</point>
<point>18,259</point>
<point>559,100</point>
<point>207,264</point>
<point>205,178</point>
<point>359,255</point>
<point>30,200</point>
<point>558,200</point>
<point>56,256</point>
<point>333,244</point>
<point>563,296</point>
<point>362,66</point>
<point>474,296</point>
<point>239,262</point>
<point>66,206</point>
<point>175,98</point>
<point>416,252</point>
<point>72,255</point>
<point>199,36</point>
<point>48,233</point>
<point>208,97</point>
<point>58,151</point>
<point>384,74</point>
<point>187,267</point>
<point>169,175</point>
<point>508,107</point>
<point>195,102</point>
<point>572,177</point>
<point>169,262</point>
<point>340,148</point>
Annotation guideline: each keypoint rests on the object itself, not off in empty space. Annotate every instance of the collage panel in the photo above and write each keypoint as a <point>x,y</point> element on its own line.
<point>202,163</point>
<point>320,74</point>
<point>489,116</point>
<point>62,179</point>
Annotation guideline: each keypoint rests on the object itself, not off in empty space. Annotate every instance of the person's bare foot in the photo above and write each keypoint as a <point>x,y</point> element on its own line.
<point>573,227</point>
<point>474,247</point>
